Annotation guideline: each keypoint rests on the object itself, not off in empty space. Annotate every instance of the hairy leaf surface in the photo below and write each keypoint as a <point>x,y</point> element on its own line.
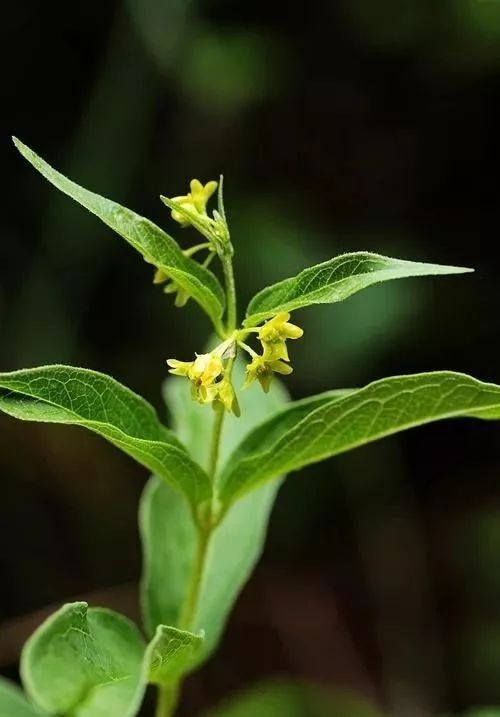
<point>297,436</point>
<point>155,245</point>
<point>336,280</point>
<point>77,396</point>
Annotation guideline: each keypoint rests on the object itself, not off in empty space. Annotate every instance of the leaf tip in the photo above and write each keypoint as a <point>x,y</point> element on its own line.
<point>20,146</point>
<point>461,270</point>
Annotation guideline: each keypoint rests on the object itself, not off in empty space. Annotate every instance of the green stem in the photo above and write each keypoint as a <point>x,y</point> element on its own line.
<point>227,266</point>
<point>216,439</point>
<point>167,701</point>
<point>168,696</point>
<point>191,603</point>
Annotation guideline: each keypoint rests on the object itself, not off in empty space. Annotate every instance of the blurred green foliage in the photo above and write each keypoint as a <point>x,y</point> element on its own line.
<point>289,700</point>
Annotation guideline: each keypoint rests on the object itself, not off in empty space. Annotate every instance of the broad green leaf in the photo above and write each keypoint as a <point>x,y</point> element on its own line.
<point>77,396</point>
<point>170,545</point>
<point>296,436</point>
<point>87,662</point>
<point>13,703</point>
<point>336,280</point>
<point>294,700</point>
<point>485,712</point>
<point>170,654</point>
<point>155,245</point>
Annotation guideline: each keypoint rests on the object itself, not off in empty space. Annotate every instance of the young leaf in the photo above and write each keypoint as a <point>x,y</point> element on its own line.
<point>77,396</point>
<point>13,703</point>
<point>281,444</point>
<point>87,662</point>
<point>170,654</point>
<point>336,280</point>
<point>170,546</point>
<point>155,245</point>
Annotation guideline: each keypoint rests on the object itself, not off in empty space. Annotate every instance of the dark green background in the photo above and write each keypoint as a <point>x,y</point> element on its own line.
<point>342,125</point>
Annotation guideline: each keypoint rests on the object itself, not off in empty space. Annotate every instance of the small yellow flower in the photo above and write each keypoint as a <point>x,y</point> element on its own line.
<point>226,397</point>
<point>160,277</point>
<point>206,368</point>
<point>273,335</point>
<point>262,369</point>
<point>172,287</point>
<point>206,375</point>
<point>180,368</point>
<point>195,201</point>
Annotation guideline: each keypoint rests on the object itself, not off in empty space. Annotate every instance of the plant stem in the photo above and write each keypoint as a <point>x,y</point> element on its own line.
<point>167,701</point>
<point>227,266</point>
<point>216,439</point>
<point>191,603</point>
<point>168,696</point>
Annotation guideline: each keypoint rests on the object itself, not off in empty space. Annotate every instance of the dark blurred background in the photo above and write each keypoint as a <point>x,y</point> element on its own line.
<point>341,125</point>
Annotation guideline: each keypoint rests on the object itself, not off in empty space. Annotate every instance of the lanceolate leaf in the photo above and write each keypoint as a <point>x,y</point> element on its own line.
<point>87,662</point>
<point>170,545</point>
<point>13,703</point>
<point>77,396</point>
<point>170,654</point>
<point>336,425</point>
<point>336,280</point>
<point>155,245</point>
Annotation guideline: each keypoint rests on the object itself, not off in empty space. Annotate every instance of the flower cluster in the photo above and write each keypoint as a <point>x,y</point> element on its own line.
<point>273,336</point>
<point>191,210</point>
<point>210,373</point>
<point>210,377</point>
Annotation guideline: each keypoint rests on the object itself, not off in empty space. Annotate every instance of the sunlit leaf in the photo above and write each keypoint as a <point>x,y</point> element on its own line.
<point>87,662</point>
<point>336,280</point>
<point>155,245</point>
<point>170,654</point>
<point>77,396</point>
<point>297,436</point>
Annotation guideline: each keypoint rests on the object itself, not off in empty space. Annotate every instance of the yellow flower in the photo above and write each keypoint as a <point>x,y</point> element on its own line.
<point>262,369</point>
<point>226,397</point>
<point>206,368</point>
<point>172,287</point>
<point>195,201</point>
<point>208,382</point>
<point>179,368</point>
<point>274,333</point>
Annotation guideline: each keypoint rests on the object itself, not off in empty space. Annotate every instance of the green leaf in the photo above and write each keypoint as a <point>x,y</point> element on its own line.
<point>155,245</point>
<point>336,280</point>
<point>77,396</point>
<point>294,700</point>
<point>170,546</point>
<point>297,436</point>
<point>13,703</point>
<point>170,654</point>
<point>87,662</point>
